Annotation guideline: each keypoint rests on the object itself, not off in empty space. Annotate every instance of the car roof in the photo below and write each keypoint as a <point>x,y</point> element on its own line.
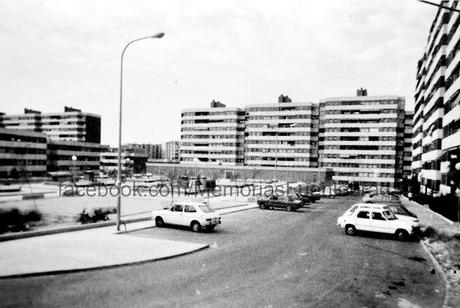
<point>371,205</point>
<point>190,203</point>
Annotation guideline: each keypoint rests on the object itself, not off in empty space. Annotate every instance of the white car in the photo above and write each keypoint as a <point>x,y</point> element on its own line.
<point>195,215</point>
<point>377,218</point>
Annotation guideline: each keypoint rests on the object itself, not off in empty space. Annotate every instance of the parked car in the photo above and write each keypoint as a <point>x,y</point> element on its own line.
<point>305,198</point>
<point>377,218</point>
<point>196,215</point>
<point>280,202</point>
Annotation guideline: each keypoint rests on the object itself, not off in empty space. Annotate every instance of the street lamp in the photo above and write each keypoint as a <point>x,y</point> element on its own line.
<point>158,35</point>
<point>74,159</point>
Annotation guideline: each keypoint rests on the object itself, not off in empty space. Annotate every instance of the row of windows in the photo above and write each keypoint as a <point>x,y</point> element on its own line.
<point>210,121</point>
<point>211,129</point>
<point>358,112</point>
<point>360,147</point>
<point>277,117</point>
<point>281,142</point>
<point>360,129</point>
<point>22,151</point>
<point>359,156</point>
<point>365,138</point>
<point>280,108</point>
<point>366,174</point>
<point>225,152</point>
<point>220,144</point>
<point>210,136</point>
<point>361,121</point>
<point>360,165</point>
<point>252,150</point>
<point>212,113</point>
<point>360,103</point>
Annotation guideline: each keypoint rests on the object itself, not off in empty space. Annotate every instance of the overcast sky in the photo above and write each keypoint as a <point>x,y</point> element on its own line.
<point>67,52</point>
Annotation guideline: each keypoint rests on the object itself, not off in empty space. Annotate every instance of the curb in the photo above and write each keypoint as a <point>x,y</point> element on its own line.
<point>439,268</point>
<point>79,270</point>
<point>17,236</point>
<point>238,210</point>
<point>427,208</point>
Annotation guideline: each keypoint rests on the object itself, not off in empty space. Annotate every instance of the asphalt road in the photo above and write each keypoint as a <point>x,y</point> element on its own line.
<point>257,258</point>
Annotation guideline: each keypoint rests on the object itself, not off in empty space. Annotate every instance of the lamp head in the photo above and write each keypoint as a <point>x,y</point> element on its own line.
<point>158,35</point>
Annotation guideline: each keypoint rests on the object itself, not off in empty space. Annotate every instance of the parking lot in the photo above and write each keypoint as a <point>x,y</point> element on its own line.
<point>258,258</point>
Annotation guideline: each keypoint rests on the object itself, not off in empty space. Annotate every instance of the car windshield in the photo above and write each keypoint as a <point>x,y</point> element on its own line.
<point>389,215</point>
<point>206,208</point>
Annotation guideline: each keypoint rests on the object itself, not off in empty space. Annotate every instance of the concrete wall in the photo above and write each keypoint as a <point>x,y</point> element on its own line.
<point>307,175</point>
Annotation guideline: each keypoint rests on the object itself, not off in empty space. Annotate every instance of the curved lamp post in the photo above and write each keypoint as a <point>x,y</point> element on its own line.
<point>158,35</point>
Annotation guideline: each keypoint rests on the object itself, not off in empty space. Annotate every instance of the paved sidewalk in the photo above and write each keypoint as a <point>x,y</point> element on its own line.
<point>88,249</point>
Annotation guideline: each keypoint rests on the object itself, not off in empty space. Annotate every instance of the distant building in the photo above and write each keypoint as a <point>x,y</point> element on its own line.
<point>283,134</point>
<point>70,125</point>
<point>436,132</point>
<point>131,161</point>
<point>153,151</point>
<point>214,134</point>
<point>171,151</point>
<point>22,154</point>
<point>362,139</point>
<point>61,156</point>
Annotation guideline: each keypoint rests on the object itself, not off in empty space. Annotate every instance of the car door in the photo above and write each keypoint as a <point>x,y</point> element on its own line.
<point>363,221</point>
<point>189,214</point>
<point>273,201</point>
<point>379,223</point>
<point>176,214</point>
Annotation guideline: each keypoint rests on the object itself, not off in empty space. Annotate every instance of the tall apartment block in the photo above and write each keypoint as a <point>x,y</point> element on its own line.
<point>407,155</point>
<point>362,139</point>
<point>171,151</point>
<point>70,125</point>
<point>212,134</point>
<point>436,132</point>
<point>283,134</point>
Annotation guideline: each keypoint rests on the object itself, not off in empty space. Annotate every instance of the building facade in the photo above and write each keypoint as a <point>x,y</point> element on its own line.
<point>283,134</point>
<point>153,151</point>
<point>436,131</point>
<point>131,161</point>
<point>70,125</point>
<point>362,139</point>
<point>214,134</point>
<point>407,155</point>
<point>72,157</point>
<point>22,154</point>
<point>171,151</point>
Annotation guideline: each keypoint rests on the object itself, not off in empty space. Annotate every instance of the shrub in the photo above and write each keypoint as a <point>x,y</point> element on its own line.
<point>15,220</point>
<point>95,215</point>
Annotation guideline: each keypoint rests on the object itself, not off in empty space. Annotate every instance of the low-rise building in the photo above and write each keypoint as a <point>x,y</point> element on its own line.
<point>131,161</point>
<point>22,154</point>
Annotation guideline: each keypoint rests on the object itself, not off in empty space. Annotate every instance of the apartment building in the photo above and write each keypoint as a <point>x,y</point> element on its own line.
<point>283,134</point>
<point>72,157</point>
<point>407,155</point>
<point>214,134</point>
<point>22,154</point>
<point>436,136</point>
<point>171,151</point>
<point>153,151</point>
<point>362,139</point>
<point>70,125</point>
<point>131,161</point>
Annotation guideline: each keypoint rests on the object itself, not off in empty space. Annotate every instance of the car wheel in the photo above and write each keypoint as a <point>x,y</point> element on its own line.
<point>288,208</point>
<point>159,222</point>
<point>350,230</point>
<point>402,235</point>
<point>196,227</point>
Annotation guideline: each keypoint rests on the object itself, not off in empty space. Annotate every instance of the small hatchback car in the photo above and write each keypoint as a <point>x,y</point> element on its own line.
<point>377,218</point>
<point>189,214</point>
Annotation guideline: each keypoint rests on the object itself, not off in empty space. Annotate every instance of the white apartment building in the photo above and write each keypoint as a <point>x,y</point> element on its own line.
<point>407,161</point>
<point>214,134</point>
<point>436,132</point>
<point>283,134</point>
<point>362,139</point>
<point>70,125</point>
<point>171,151</point>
